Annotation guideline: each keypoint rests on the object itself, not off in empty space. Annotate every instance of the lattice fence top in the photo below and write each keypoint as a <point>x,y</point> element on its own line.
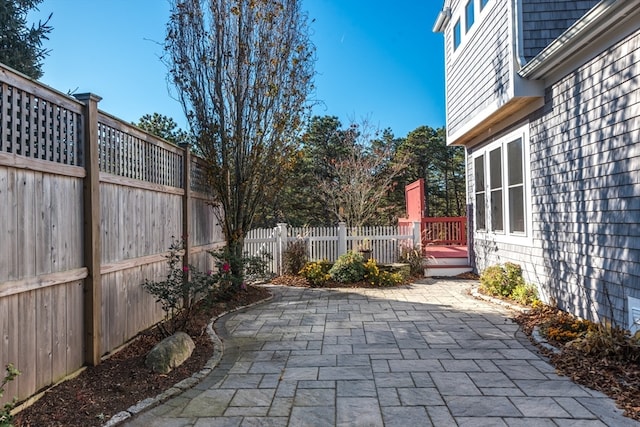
<point>127,151</point>
<point>38,124</point>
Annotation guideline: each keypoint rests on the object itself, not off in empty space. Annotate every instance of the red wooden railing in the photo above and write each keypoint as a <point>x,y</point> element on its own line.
<point>444,231</point>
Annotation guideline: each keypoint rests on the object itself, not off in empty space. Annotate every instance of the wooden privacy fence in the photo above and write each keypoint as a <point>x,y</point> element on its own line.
<point>329,243</point>
<point>89,205</point>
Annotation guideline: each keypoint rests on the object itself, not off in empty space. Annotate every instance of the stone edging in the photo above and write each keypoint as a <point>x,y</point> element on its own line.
<point>187,383</point>
<point>515,307</point>
<point>535,334</point>
<point>542,342</point>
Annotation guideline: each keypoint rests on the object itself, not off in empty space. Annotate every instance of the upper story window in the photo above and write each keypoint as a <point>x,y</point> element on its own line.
<point>469,15</point>
<point>465,20</point>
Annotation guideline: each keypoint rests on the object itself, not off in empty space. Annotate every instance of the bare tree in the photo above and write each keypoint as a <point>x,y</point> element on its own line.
<point>243,70</point>
<point>361,179</point>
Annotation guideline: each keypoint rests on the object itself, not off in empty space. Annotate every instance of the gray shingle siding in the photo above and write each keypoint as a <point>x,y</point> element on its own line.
<point>479,73</point>
<point>585,187</point>
<point>544,20</point>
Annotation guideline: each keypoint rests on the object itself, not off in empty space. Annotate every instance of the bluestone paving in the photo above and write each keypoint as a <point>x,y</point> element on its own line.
<point>426,354</point>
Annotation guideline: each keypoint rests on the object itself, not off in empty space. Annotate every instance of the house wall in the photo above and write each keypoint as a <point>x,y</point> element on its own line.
<point>585,186</point>
<point>544,20</point>
<point>477,73</point>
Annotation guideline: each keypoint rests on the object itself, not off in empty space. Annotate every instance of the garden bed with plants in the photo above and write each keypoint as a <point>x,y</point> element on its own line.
<point>602,357</point>
<point>351,269</point>
<point>122,380</point>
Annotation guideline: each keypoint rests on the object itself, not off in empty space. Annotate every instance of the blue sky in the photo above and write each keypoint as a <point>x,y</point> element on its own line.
<point>376,59</point>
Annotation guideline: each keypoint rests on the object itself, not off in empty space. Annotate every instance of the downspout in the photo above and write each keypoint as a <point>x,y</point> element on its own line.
<point>518,38</point>
<point>442,20</point>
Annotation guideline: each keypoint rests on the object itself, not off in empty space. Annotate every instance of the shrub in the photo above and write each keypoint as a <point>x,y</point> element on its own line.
<point>492,280</point>
<point>316,272</point>
<point>177,293</point>
<point>376,277</point>
<point>349,268</point>
<point>608,342</point>
<point>501,280</point>
<point>562,327</point>
<point>257,267</point>
<point>524,294</point>
<point>294,257</point>
<point>412,255</point>
<point>5,411</point>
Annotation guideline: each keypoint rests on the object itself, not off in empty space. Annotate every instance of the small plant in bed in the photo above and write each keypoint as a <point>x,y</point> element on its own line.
<point>349,268</point>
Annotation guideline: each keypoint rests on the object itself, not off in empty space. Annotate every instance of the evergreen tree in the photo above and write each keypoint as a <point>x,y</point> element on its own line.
<point>21,46</point>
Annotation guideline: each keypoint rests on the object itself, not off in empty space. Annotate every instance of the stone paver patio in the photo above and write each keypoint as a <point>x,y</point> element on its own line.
<point>423,355</point>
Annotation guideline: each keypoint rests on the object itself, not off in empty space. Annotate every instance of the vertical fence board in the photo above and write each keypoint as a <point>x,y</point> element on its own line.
<point>27,363</point>
<point>10,351</point>
<point>44,334</point>
<point>59,332</point>
<point>26,225</point>
<point>75,329</point>
<point>43,224</point>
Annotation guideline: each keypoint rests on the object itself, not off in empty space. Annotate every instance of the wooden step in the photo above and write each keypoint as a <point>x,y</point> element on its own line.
<point>446,270</point>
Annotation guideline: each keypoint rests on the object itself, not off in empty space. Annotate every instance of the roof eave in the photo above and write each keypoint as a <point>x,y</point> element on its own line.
<point>600,18</point>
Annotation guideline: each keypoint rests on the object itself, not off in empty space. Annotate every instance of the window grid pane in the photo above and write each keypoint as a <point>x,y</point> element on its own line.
<point>495,168</point>
<point>469,15</point>
<point>514,162</point>
<point>456,35</point>
<point>497,223</point>
<point>516,209</point>
<point>495,183</point>
<point>478,166</point>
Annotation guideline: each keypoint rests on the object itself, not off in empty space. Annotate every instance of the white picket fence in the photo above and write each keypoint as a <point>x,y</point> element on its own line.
<point>329,243</point>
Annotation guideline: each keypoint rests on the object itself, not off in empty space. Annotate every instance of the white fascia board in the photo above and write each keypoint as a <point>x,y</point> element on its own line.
<point>602,17</point>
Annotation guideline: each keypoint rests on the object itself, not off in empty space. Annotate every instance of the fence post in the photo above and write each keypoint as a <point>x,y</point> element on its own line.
<point>281,244</point>
<point>417,234</point>
<point>186,216</point>
<point>92,253</point>
<point>342,238</point>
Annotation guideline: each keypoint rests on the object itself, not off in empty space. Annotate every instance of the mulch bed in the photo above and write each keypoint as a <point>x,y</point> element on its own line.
<point>618,379</point>
<point>122,380</point>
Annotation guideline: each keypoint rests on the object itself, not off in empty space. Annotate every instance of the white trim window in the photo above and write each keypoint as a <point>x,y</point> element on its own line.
<point>501,191</point>
<point>466,16</point>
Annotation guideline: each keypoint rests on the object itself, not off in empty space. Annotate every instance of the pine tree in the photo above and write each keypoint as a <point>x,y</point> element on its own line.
<point>21,46</point>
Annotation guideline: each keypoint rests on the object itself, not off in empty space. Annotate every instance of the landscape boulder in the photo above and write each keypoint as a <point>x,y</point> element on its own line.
<point>170,353</point>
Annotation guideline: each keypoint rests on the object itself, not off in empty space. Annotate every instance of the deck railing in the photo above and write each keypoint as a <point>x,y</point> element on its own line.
<point>444,231</point>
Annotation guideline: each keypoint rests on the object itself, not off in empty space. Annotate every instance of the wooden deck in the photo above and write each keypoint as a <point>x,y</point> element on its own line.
<point>447,251</point>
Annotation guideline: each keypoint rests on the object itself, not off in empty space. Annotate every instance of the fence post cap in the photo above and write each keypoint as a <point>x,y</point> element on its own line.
<point>87,97</point>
